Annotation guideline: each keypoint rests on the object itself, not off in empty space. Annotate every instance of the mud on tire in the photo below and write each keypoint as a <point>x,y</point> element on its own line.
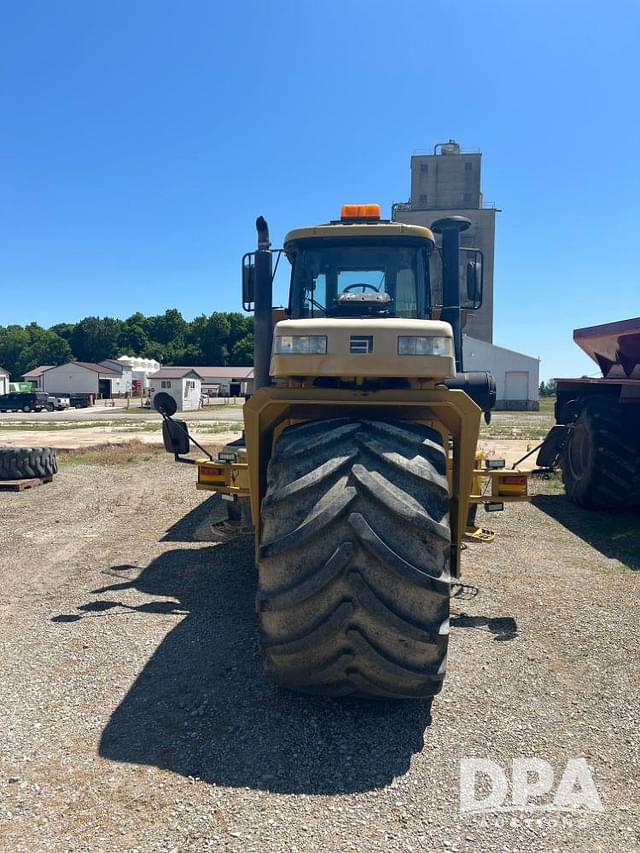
<point>354,583</point>
<point>21,463</point>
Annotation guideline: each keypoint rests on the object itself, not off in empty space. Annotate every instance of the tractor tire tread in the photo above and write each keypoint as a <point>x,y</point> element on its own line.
<point>353,572</point>
<point>22,463</point>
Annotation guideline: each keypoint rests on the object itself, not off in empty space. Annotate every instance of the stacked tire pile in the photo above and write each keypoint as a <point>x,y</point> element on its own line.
<point>22,463</point>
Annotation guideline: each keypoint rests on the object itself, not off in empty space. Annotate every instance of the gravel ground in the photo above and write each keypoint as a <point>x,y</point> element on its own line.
<point>136,716</point>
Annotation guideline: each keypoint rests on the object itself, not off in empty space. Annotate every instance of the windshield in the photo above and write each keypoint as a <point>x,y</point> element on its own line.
<point>360,280</point>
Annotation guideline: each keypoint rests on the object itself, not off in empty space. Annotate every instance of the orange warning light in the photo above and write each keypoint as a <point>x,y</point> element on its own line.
<point>360,211</point>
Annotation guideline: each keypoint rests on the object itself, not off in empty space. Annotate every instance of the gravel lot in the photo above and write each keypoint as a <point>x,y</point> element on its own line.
<point>136,716</point>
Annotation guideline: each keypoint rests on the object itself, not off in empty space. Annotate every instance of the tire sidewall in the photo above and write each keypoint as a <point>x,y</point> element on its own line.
<point>576,481</point>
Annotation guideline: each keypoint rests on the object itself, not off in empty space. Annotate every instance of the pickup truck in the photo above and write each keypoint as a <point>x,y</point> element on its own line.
<point>57,403</point>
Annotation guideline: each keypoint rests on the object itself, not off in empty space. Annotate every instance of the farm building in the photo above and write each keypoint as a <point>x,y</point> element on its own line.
<point>184,384</point>
<point>4,381</point>
<point>226,381</point>
<point>516,375</point>
<point>123,386</point>
<point>81,377</point>
<point>35,376</point>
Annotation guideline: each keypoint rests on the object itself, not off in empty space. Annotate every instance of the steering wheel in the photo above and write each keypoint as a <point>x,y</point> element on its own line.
<point>363,284</point>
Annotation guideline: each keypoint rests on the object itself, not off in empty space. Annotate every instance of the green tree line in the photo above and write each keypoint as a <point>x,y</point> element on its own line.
<point>547,389</point>
<point>220,338</point>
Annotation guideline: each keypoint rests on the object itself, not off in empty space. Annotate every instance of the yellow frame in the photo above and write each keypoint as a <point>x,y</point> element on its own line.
<point>233,478</point>
<point>503,490</point>
<point>273,407</point>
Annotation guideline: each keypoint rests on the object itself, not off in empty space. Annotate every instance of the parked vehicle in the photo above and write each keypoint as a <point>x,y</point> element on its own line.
<point>80,401</point>
<point>58,403</point>
<point>596,439</point>
<point>24,401</point>
<point>358,462</point>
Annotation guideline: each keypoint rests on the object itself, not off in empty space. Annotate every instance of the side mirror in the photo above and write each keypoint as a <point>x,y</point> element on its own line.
<point>474,283</point>
<point>248,282</point>
<point>165,404</point>
<point>175,437</point>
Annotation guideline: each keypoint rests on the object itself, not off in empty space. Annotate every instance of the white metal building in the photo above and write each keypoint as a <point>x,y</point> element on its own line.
<point>80,377</point>
<point>182,383</point>
<point>517,376</point>
<point>4,381</point>
<point>121,387</point>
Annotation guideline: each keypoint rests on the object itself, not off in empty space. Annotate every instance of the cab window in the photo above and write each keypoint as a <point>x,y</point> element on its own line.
<point>360,280</point>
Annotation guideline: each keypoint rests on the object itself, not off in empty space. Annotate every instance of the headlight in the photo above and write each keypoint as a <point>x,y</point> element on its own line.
<point>419,345</point>
<point>316,344</point>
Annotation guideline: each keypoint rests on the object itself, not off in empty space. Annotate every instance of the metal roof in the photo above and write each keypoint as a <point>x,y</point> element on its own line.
<point>118,366</point>
<point>89,365</point>
<point>37,371</point>
<point>4,372</point>
<point>175,372</point>
<point>209,372</point>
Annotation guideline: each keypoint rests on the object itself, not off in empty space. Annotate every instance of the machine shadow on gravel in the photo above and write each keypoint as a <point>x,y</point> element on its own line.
<point>202,706</point>
<point>615,534</point>
<point>196,526</point>
<point>503,628</point>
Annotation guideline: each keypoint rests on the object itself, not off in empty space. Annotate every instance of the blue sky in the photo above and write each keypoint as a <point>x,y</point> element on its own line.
<point>140,139</point>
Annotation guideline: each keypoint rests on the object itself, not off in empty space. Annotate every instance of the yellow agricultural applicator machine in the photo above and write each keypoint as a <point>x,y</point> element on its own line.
<point>359,452</point>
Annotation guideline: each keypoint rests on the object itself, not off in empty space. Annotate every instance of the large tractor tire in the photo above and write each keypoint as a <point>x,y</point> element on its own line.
<point>22,463</point>
<point>601,458</point>
<point>354,581</point>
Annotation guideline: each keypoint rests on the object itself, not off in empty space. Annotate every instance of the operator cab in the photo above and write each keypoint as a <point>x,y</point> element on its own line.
<point>360,266</point>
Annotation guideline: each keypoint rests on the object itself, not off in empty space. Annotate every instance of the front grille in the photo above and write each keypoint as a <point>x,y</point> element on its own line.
<point>361,344</point>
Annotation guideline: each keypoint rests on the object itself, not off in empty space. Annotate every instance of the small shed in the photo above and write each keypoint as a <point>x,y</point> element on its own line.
<point>184,384</point>
<point>35,376</point>
<point>82,378</point>
<point>4,381</point>
<point>517,375</point>
<point>219,381</point>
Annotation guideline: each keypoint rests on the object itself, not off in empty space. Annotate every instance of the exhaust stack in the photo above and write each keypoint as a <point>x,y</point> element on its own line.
<point>263,329</point>
<point>450,228</point>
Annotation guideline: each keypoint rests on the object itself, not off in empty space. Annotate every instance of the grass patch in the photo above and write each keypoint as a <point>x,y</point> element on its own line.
<point>527,426</point>
<point>50,426</point>
<point>120,426</point>
<point>198,426</point>
<point>533,434</point>
<point>523,432</point>
<point>546,484</point>
<point>144,410</point>
<point>63,426</point>
<point>132,453</point>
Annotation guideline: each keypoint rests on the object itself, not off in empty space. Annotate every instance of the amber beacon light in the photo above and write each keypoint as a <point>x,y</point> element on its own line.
<point>360,211</point>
